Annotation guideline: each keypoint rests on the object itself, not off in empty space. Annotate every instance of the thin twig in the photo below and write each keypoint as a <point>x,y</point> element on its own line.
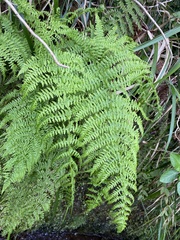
<point>48,3</point>
<point>127,89</point>
<point>177,130</point>
<point>34,34</point>
<point>169,108</point>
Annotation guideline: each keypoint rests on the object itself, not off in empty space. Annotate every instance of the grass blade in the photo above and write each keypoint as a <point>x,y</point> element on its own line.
<point>155,59</point>
<point>56,4</point>
<point>158,39</point>
<point>170,72</point>
<point>173,115</point>
<point>165,66</point>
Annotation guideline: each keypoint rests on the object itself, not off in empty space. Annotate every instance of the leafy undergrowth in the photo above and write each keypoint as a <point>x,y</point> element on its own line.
<point>156,209</point>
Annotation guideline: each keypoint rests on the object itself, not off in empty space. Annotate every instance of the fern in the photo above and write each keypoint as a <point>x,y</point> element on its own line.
<point>124,14</point>
<point>61,123</point>
<point>13,55</point>
<point>121,13</point>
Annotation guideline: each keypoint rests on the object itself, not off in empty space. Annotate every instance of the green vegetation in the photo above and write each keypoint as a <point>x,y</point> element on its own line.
<point>84,120</point>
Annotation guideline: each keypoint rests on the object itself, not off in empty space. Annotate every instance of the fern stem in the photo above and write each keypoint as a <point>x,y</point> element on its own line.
<point>9,235</point>
<point>34,34</point>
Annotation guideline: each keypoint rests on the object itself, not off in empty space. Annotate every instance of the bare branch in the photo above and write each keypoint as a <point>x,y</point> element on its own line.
<point>34,34</point>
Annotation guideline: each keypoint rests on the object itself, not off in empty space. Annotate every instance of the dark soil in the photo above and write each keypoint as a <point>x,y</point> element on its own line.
<point>38,235</point>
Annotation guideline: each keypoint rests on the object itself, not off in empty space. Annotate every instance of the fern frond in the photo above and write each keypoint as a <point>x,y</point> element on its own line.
<point>124,14</point>
<point>15,50</point>
<point>110,157</point>
<point>21,132</point>
<point>62,123</point>
<point>26,203</point>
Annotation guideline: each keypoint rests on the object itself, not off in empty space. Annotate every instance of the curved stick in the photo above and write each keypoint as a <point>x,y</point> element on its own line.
<point>34,34</point>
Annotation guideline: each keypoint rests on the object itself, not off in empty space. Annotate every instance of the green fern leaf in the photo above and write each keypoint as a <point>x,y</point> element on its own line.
<point>63,124</point>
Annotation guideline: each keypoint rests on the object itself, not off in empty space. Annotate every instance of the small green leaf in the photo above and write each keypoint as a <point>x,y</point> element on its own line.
<point>177,14</point>
<point>168,176</point>
<point>178,188</point>
<point>175,161</point>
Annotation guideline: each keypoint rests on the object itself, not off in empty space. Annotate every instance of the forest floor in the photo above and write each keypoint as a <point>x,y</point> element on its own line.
<point>39,235</point>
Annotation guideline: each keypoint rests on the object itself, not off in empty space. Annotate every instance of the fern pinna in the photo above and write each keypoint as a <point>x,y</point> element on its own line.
<point>57,124</point>
<point>124,14</point>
